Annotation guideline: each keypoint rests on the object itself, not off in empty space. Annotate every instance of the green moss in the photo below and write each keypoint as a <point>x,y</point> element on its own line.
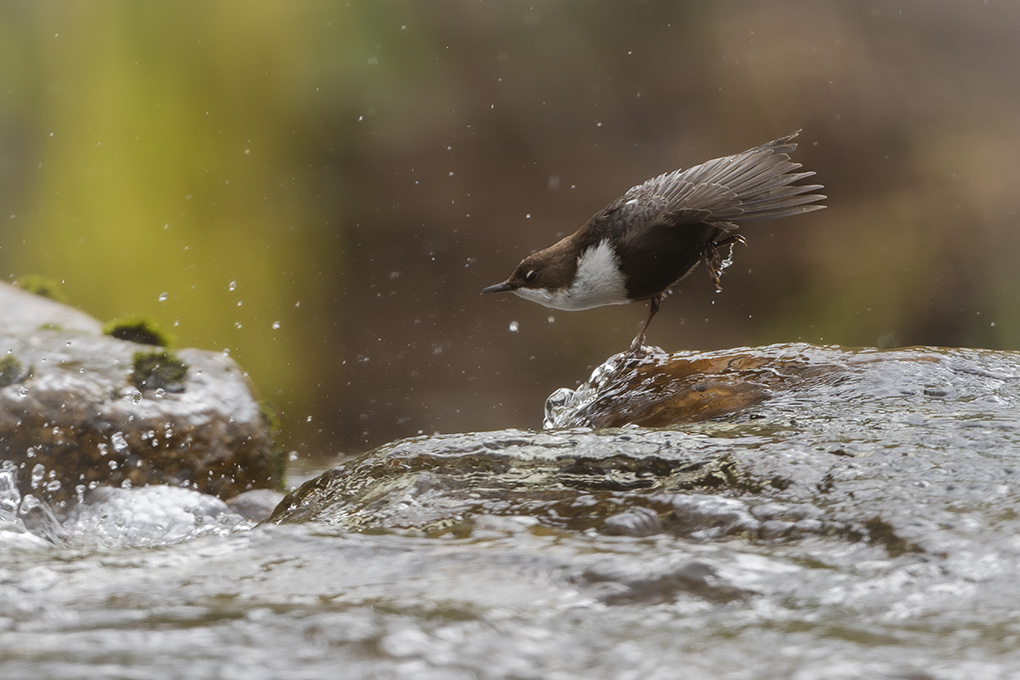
<point>278,460</point>
<point>159,370</point>
<point>11,371</point>
<point>279,457</point>
<point>41,286</point>
<point>270,416</point>
<point>137,329</point>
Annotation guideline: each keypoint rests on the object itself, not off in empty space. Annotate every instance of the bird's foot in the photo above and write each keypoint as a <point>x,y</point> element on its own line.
<point>638,351</point>
<point>714,262</point>
<point>641,354</point>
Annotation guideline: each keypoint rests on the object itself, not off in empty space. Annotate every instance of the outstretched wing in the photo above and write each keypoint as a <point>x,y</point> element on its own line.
<point>756,184</point>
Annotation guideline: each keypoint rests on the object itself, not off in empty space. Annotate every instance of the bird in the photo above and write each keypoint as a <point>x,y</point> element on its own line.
<point>646,241</point>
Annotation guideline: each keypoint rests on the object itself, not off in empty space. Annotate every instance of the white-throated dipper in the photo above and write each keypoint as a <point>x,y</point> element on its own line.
<point>644,242</point>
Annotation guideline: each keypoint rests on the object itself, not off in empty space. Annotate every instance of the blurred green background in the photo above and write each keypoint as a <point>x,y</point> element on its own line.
<point>323,188</point>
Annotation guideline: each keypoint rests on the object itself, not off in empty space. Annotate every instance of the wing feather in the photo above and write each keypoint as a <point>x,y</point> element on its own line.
<point>759,183</point>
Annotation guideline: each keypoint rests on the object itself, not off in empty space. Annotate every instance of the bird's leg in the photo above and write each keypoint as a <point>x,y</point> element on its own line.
<point>639,340</point>
<point>714,262</point>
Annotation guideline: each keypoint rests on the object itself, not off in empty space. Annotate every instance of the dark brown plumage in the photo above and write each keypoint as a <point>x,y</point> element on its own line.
<point>650,238</point>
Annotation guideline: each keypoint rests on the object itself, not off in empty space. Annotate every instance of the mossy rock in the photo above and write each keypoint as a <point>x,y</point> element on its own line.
<point>74,426</point>
<point>137,329</point>
<point>11,371</point>
<point>41,286</point>
<point>159,370</point>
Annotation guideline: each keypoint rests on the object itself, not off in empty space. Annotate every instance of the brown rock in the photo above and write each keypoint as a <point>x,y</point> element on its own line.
<point>72,419</point>
<point>659,389</point>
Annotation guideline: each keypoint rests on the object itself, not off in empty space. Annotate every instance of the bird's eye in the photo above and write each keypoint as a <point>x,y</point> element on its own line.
<point>530,276</point>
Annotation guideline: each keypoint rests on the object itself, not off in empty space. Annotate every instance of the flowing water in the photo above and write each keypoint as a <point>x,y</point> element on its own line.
<point>862,524</point>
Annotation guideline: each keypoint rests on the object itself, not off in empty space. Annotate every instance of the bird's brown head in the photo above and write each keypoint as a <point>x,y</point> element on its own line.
<point>547,270</point>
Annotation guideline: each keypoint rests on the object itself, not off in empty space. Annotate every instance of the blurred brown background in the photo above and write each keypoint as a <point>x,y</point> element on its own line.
<point>323,188</point>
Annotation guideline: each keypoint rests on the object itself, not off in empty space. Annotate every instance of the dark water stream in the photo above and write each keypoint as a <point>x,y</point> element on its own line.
<point>860,523</point>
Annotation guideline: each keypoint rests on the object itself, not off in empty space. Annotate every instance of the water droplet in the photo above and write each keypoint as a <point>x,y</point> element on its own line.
<point>232,285</point>
<point>276,325</point>
<point>28,504</point>
<point>514,326</point>
<point>558,402</point>
<point>163,296</point>
<point>120,444</point>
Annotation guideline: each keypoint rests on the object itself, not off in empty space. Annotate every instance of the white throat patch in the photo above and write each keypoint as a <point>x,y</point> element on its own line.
<point>598,282</point>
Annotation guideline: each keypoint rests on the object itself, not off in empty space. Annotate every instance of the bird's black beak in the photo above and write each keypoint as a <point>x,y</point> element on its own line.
<point>499,288</point>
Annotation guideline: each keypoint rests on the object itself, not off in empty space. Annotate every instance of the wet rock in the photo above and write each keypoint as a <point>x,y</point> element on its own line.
<point>636,483</point>
<point>73,419</point>
<point>657,389</point>
<point>25,312</point>
<point>850,446</point>
<point>256,505</point>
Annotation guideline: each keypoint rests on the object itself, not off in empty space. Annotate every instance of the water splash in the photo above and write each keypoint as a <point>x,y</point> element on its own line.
<point>118,442</point>
<point>10,496</point>
<point>563,405</point>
